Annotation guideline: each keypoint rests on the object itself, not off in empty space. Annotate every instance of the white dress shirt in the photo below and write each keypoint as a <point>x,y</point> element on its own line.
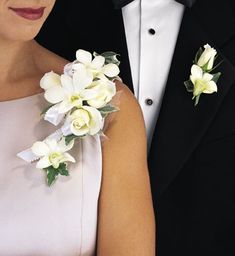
<point>152,28</point>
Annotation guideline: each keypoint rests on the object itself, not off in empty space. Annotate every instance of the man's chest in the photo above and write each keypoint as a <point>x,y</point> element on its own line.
<point>151,29</point>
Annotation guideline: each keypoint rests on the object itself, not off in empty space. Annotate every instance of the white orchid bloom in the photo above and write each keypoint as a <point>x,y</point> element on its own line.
<point>96,66</point>
<point>207,57</point>
<point>51,83</point>
<point>73,90</point>
<point>203,82</point>
<point>83,121</point>
<point>50,80</point>
<point>52,153</point>
<point>105,89</point>
<point>68,69</point>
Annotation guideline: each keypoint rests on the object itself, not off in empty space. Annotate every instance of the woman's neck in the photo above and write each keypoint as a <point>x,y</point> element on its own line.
<point>16,62</point>
<point>20,74</point>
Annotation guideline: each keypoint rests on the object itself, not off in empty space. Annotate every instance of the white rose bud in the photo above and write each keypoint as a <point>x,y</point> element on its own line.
<point>83,121</point>
<point>207,57</point>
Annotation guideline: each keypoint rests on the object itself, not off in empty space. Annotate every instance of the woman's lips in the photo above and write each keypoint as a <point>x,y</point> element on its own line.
<point>29,13</point>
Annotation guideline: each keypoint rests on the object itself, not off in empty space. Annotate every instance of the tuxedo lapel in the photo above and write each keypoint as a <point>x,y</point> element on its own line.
<point>181,125</point>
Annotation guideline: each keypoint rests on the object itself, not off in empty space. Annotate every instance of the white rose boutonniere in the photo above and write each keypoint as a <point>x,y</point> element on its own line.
<point>202,80</point>
<point>80,100</point>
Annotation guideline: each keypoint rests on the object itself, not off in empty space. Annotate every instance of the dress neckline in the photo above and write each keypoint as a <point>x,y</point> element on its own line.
<point>22,99</point>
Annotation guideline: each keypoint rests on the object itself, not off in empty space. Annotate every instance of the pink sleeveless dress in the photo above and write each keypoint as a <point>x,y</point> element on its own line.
<point>37,220</point>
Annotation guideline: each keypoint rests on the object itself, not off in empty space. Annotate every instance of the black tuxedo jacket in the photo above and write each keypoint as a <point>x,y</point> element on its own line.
<point>192,157</point>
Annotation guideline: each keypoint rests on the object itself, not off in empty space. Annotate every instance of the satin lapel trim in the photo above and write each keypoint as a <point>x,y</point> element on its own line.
<point>181,126</point>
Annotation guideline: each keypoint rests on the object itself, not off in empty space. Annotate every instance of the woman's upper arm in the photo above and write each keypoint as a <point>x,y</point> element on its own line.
<point>126,219</point>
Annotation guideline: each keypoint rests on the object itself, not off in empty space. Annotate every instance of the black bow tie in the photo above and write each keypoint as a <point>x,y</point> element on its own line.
<point>121,3</point>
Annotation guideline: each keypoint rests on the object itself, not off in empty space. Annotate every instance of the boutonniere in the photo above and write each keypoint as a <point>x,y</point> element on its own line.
<point>79,103</point>
<point>202,78</point>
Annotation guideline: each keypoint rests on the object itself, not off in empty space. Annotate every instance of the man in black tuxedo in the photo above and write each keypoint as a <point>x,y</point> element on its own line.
<point>191,160</point>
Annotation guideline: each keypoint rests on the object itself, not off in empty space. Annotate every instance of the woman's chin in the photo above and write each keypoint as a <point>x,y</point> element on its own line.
<point>22,24</point>
<point>19,34</point>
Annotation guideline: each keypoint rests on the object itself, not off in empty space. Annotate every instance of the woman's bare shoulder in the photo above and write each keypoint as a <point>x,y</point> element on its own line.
<point>128,96</point>
<point>128,104</point>
<point>126,127</point>
<point>129,114</point>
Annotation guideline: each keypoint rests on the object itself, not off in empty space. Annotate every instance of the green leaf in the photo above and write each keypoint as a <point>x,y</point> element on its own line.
<point>198,55</point>
<point>62,169</point>
<point>52,174</point>
<point>189,86</point>
<point>110,57</point>
<point>217,65</point>
<point>216,77</point>
<point>69,138</point>
<point>197,98</point>
<point>205,67</point>
<point>107,110</point>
